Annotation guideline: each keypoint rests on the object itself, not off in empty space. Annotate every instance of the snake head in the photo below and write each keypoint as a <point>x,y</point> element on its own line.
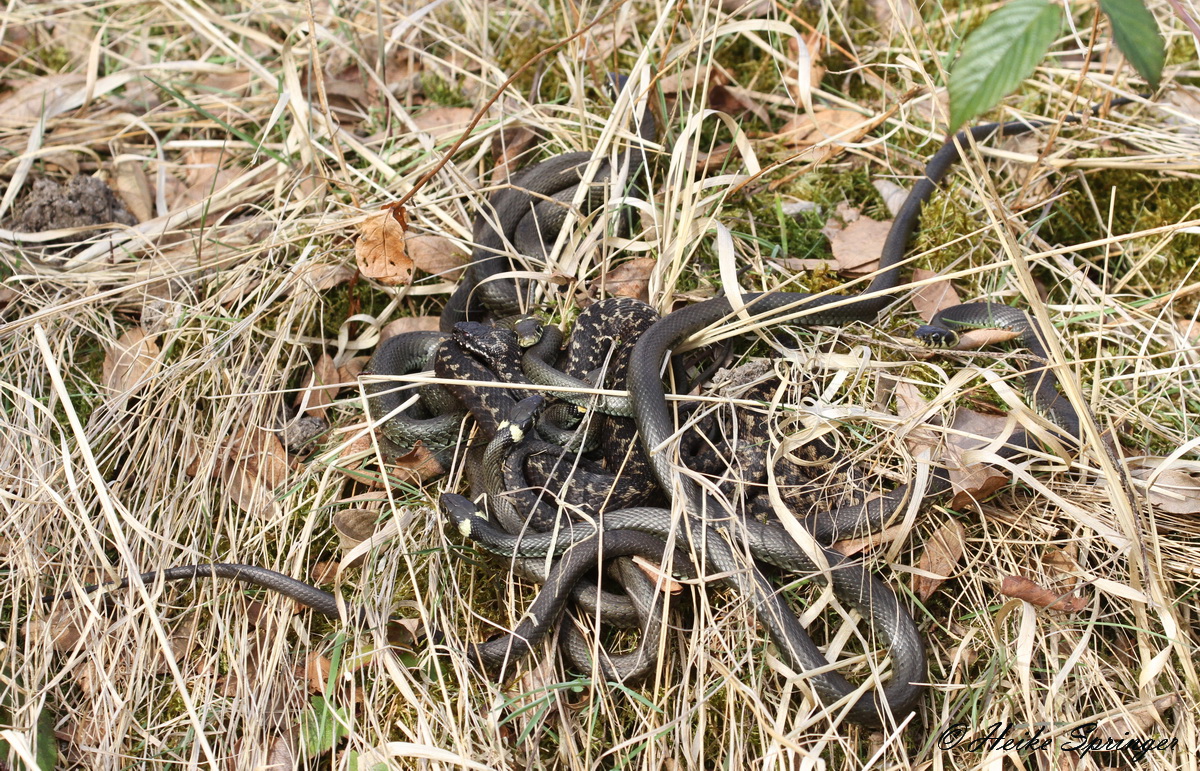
<point>461,511</point>
<point>522,414</point>
<point>528,330</point>
<point>936,337</point>
<point>487,342</point>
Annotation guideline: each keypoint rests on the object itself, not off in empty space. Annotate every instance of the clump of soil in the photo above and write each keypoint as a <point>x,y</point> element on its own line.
<point>84,201</point>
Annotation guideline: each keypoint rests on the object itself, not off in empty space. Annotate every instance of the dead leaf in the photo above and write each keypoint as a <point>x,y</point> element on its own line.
<point>444,122</point>
<point>1185,99</point>
<point>630,279</point>
<point>603,42</point>
<point>63,628</point>
<point>320,387</point>
<point>735,101</point>
<point>794,208</point>
<point>655,573</point>
<point>17,38</point>
<point>690,79</point>
<point>281,756</point>
<point>351,457</point>
<point>858,246</point>
<point>893,195</point>
<point>508,145</point>
<point>934,107</point>
<point>237,287</point>
<point>851,546</point>
<point>354,526</point>
<point>322,276</point>
<point>248,492</point>
<point>1137,718</point>
<point>133,188</point>
<point>909,402</point>
<point>233,81</point>
<point>1060,562</point>
<point>1176,488</point>
<point>182,642</point>
<point>437,256</point>
<point>747,9</point>
<point>47,95</point>
<point>943,550</point>
<point>401,73</point>
<point>7,296</point>
<point>323,572</point>
<point>409,324</point>
<point>713,160</point>
<point>846,213</point>
<point>892,15</point>
<point>806,131</point>
<point>345,92</point>
<point>933,296</point>
<point>257,465</point>
<point>972,482</point>
<point>1023,589</point>
<point>415,467</point>
<point>806,265</point>
<point>130,363</point>
<point>91,732</point>
<point>405,632</point>
<point>1189,328</point>
<point>260,451</point>
<point>61,162</point>
<point>316,670</point>
<point>816,68</point>
<point>908,398</point>
<point>207,170</point>
<point>349,372</point>
<point>380,249</point>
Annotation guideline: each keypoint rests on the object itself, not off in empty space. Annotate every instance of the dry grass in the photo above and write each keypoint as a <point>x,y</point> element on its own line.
<point>265,132</point>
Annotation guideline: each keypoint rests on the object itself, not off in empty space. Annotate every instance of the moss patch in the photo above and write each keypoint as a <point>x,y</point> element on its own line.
<point>1130,202</point>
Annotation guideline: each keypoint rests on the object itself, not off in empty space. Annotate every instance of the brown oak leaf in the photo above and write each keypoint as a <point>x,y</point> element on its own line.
<point>380,249</point>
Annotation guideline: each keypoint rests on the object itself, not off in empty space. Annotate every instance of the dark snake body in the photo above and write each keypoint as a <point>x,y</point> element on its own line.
<point>528,215</point>
<point>705,526</point>
<point>640,606</point>
<point>656,427</point>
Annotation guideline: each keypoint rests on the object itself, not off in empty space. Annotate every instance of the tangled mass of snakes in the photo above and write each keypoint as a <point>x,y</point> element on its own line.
<point>577,462</point>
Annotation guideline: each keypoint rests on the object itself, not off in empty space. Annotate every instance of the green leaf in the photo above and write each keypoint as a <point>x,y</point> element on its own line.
<point>46,744</point>
<point>322,727</point>
<point>1137,35</point>
<point>999,54</point>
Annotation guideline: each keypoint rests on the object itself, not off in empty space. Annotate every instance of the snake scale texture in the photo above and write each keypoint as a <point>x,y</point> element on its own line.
<point>707,538</point>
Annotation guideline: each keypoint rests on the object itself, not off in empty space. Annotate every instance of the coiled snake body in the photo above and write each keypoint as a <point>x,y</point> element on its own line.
<point>648,532</point>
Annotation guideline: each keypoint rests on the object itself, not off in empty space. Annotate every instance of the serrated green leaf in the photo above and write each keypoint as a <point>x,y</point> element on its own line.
<point>1137,35</point>
<point>999,54</point>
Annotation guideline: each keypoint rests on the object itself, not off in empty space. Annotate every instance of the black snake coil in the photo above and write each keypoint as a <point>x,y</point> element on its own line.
<point>485,362</point>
